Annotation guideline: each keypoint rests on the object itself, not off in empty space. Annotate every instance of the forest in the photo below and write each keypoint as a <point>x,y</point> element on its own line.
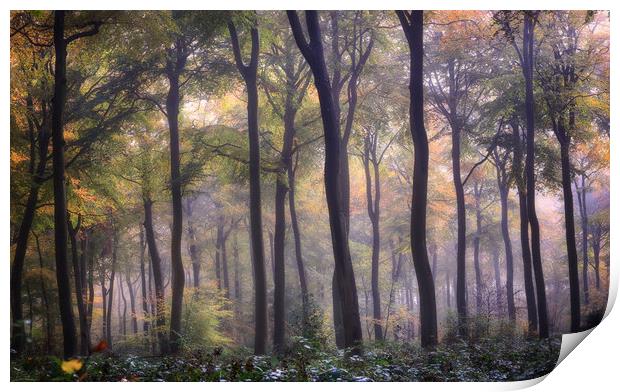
<point>305,195</point>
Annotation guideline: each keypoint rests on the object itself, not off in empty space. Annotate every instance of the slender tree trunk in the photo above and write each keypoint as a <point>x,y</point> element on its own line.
<point>256,226</point>
<point>344,274</point>
<point>79,289</point>
<point>145,307</point>
<point>160,299</point>
<point>583,211</point>
<point>301,269</point>
<point>530,298</point>
<point>461,288</point>
<point>218,251</point>
<point>530,178</point>
<point>448,293</point>
<point>478,272</point>
<point>225,278</point>
<point>132,302</point>
<point>122,319</point>
<point>104,306</point>
<point>373,214</point>
<point>60,200</point>
<point>173,100</point>
<point>510,299</point>
<point>49,334</point>
<point>596,250</point>
<point>498,281</point>
<point>111,288</point>
<point>412,25</point>
<point>193,248</point>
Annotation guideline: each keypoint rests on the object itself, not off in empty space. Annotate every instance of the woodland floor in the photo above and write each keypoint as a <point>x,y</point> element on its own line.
<point>489,359</point>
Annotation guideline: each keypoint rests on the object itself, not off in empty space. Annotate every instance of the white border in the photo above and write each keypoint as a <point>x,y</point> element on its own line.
<point>594,365</point>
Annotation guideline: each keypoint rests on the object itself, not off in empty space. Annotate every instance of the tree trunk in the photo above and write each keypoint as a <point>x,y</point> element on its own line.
<point>256,226</point>
<point>49,334</point>
<point>218,251</point>
<point>173,99</point>
<point>111,289</point>
<point>461,288</point>
<point>372,203</point>
<point>530,298</point>
<point>530,177</point>
<point>193,248</point>
<point>583,211</point>
<point>301,269</point>
<point>510,298</point>
<point>344,274</point>
<point>596,250</point>
<point>412,25</point>
<point>145,307</point>
<point>79,289</point>
<point>498,281</point>
<point>224,259</point>
<point>60,198</point>
<point>132,302</point>
<point>478,272</point>
<point>160,299</point>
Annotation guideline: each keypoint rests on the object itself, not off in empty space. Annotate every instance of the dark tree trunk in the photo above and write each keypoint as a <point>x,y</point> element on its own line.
<point>461,288</point>
<point>596,250</point>
<point>478,272</point>
<point>530,178</point>
<point>344,275</point>
<point>373,202</point>
<point>237,272</point>
<point>69,330</point>
<point>160,298</point>
<point>448,293</point>
<point>173,99</point>
<point>132,302</point>
<point>256,226</point>
<point>498,281</point>
<point>412,24</point>
<point>122,320</point>
<point>218,251</point>
<point>530,296</point>
<point>111,288</point>
<point>49,327</point>
<point>583,212</point>
<point>145,304</point>
<point>104,306</point>
<point>17,342</point>
<point>301,269</point>
<point>193,248</point>
<point>79,288</point>
<point>569,222</point>
<point>503,194</point>
<point>224,259</point>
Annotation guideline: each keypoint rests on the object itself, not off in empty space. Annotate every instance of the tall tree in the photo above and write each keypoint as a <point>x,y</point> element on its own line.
<point>344,275</point>
<point>248,72</point>
<point>500,159</point>
<point>285,85</point>
<point>413,27</point>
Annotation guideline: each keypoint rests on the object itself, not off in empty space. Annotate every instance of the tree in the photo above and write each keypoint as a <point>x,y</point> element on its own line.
<point>526,61</point>
<point>500,159</point>
<point>248,72</point>
<point>412,24</point>
<point>344,275</point>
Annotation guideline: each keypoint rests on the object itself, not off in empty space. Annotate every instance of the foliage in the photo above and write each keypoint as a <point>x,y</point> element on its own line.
<point>501,358</point>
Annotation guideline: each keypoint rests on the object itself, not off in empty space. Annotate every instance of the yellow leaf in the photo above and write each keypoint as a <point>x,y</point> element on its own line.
<point>71,366</point>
